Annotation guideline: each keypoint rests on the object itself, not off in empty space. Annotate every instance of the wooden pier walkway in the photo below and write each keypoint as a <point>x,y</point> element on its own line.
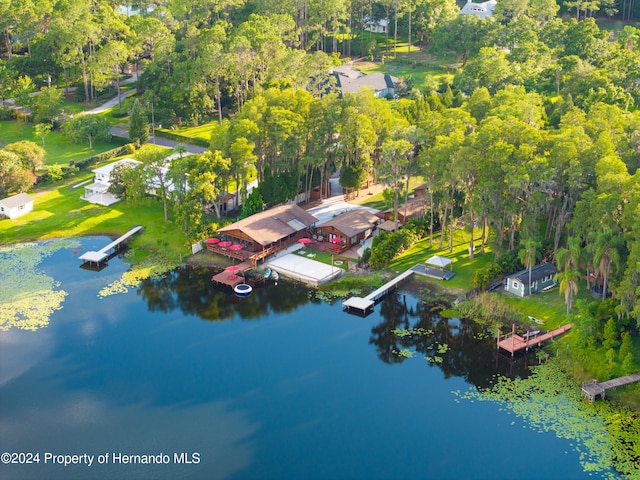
<point>103,253</point>
<point>513,343</point>
<point>593,389</point>
<point>363,306</point>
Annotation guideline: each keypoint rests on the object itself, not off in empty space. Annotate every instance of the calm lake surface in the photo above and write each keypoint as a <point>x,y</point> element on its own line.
<point>278,385</point>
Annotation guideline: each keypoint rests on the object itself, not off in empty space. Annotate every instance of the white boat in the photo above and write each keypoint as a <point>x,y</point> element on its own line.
<point>275,275</point>
<point>535,320</point>
<point>530,334</point>
<point>243,290</point>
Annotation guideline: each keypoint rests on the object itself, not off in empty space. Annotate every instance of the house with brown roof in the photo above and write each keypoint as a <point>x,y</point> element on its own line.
<point>276,227</point>
<point>414,208</point>
<point>351,227</point>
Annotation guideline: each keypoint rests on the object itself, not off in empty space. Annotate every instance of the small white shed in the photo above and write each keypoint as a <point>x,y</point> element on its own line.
<point>16,206</point>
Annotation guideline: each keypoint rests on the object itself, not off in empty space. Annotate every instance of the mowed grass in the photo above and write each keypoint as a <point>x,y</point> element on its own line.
<point>59,150</point>
<point>202,131</point>
<point>463,266</point>
<point>60,213</point>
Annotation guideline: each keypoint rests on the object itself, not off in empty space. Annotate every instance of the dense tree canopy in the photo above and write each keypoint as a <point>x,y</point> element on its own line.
<point>535,138</point>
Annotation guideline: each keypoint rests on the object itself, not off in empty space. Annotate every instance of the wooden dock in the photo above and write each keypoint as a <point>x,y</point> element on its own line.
<point>592,389</point>
<point>230,278</point>
<point>103,253</point>
<point>513,343</point>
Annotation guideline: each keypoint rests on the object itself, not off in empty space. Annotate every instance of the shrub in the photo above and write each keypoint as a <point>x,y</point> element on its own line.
<point>484,275</point>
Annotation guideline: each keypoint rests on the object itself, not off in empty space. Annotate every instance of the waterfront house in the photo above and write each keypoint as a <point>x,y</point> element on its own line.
<point>97,192</point>
<point>352,227</point>
<point>16,205</point>
<point>541,279</point>
<point>270,230</point>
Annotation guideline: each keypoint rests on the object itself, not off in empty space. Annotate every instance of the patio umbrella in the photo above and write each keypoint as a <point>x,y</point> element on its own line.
<point>304,240</point>
<point>224,244</point>
<point>235,247</point>
<point>232,268</point>
<point>336,240</point>
<point>212,240</point>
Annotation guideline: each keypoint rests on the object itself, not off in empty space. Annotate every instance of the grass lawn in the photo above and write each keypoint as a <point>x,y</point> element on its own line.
<point>60,213</point>
<point>324,257</point>
<point>463,266</point>
<point>201,131</point>
<point>59,150</point>
<point>377,200</point>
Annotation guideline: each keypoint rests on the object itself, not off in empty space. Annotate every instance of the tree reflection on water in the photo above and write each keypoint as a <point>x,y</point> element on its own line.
<point>471,353</point>
<point>472,349</point>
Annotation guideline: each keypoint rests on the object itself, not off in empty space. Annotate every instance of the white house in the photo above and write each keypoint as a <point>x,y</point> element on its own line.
<point>97,192</point>
<point>16,206</point>
<point>375,26</point>
<point>482,10</point>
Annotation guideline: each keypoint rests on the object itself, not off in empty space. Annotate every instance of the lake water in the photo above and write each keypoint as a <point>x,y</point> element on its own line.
<point>278,385</point>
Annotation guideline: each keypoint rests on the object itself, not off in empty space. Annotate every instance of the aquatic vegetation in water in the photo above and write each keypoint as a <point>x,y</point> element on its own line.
<point>403,332</point>
<point>606,437</point>
<point>28,297</point>
<point>153,266</point>
<point>332,295</point>
<point>405,352</point>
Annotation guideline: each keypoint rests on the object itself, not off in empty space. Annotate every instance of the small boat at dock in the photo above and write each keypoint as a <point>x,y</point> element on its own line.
<point>267,274</point>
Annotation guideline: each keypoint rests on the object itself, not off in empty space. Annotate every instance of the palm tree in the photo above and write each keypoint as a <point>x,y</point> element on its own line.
<point>528,255</point>
<point>606,256</point>
<point>568,280</point>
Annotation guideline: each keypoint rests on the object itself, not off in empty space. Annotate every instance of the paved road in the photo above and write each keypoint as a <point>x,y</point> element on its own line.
<point>114,101</point>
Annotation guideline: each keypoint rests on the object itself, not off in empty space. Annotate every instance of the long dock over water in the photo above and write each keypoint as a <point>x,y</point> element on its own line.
<point>513,343</point>
<point>591,390</point>
<point>365,305</point>
<point>103,253</point>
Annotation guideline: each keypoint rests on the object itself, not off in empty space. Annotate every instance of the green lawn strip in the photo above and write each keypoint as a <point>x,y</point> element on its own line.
<point>463,266</point>
<point>324,257</point>
<point>201,131</point>
<point>59,150</point>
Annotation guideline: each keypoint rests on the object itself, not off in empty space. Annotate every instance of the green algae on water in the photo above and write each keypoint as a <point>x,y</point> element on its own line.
<point>28,297</point>
<point>606,437</point>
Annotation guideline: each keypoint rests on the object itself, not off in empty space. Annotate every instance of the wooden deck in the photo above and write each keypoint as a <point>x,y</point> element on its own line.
<point>231,278</point>
<point>513,343</point>
<point>103,253</point>
<point>592,390</point>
